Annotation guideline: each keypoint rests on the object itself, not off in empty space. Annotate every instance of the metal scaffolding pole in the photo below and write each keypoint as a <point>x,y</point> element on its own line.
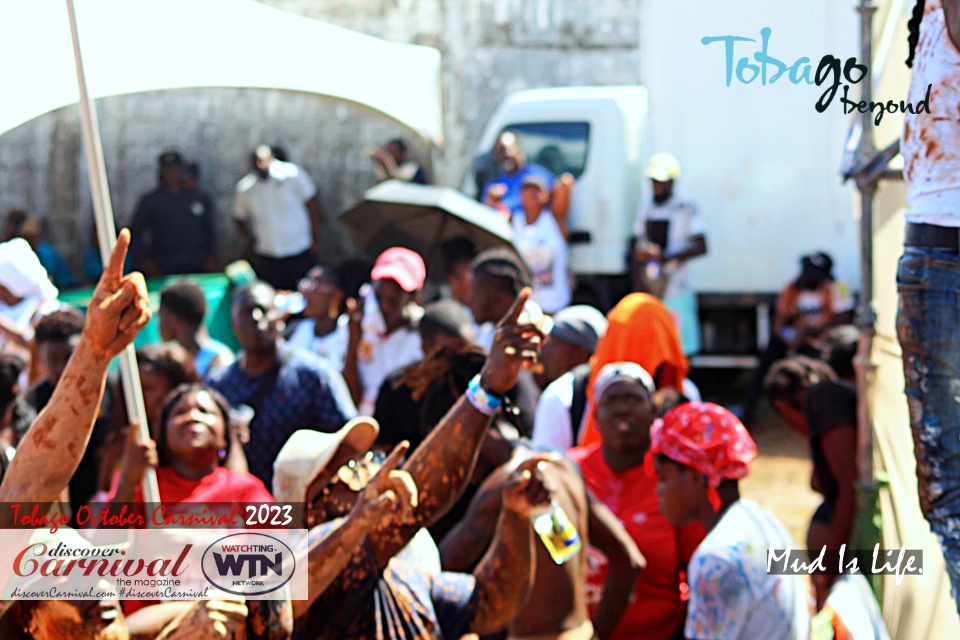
<point>866,317</point>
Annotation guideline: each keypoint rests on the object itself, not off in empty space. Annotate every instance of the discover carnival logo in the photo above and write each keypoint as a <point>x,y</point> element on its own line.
<point>831,73</point>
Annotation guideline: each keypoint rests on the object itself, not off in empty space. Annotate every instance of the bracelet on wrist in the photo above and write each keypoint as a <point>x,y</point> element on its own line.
<point>482,400</point>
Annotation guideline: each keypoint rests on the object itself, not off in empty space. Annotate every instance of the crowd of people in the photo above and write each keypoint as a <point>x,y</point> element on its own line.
<point>471,467</point>
<point>497,463</point>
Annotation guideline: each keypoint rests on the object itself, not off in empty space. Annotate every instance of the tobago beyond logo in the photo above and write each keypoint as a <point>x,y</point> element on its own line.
<point>830,73</point>
<point>248,564</point>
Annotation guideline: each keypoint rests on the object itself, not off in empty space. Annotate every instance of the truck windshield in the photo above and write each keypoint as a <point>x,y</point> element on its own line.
<point>560,147</point>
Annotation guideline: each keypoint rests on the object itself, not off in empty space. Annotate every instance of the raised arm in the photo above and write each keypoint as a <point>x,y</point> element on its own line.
<point>625,564</point>
<point>51,450</point>
<point>506,573</point>
<point>443,463</point>
<point>388,493</point>
<point>465,544</point>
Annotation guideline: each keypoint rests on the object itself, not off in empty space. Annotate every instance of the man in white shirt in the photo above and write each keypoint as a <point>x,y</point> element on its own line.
<point>540,241</point>
<point>565,373</point>
<point>277,214</point>
<point>669,232</point>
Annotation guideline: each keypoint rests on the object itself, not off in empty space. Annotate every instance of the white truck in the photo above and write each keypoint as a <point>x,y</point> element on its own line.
<point>593,133</point>
<point>757,158</point>
<point>757,228</point>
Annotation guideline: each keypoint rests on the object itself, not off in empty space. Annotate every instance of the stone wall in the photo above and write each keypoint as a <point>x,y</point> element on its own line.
<point>490,48</point>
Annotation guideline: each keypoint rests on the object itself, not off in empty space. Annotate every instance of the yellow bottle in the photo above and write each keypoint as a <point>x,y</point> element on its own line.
<point>556,530</point>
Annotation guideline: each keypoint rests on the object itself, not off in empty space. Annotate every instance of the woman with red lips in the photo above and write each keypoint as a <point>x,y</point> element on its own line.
<point>189,455</point>
<point>616,475</point>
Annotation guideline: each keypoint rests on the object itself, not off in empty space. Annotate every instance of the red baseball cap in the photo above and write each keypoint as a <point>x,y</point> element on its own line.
<point>403,266</point>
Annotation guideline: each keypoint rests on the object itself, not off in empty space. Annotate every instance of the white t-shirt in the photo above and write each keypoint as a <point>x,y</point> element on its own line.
<point>331,347</point>
<point>856,606</point>
<point>379,355</point>
<point>551,424</point>
<point>731,594</point>
<point>931,141</point>
<point>545,251</point>
<point>684,224</point>
<point>276,209</point>
<point>485,334</point>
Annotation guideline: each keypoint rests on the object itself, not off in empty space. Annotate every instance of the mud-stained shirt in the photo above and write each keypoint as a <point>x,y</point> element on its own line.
<point>402,602</point>
<point>931,138</point>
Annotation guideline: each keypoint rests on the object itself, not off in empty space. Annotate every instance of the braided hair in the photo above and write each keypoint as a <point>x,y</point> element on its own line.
<point>913,27</point>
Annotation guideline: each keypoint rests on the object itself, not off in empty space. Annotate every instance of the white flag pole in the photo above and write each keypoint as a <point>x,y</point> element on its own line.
<point>107,237</point>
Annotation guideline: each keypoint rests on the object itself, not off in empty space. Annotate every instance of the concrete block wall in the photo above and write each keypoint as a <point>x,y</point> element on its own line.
<point>490,48</point>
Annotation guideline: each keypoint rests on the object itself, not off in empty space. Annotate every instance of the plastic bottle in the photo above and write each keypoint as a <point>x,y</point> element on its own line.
<point>289,304</point>
<point>653,269</point>
<point>373,323</point>
<point>558,533</point>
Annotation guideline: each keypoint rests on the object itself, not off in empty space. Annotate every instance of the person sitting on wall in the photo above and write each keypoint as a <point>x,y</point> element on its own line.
<point>393,163</point>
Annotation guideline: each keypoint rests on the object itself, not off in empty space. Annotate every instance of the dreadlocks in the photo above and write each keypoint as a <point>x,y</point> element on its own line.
<point>914,28</point>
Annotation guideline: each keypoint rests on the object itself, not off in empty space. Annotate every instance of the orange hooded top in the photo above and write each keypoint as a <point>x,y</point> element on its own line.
<point>642,330</point>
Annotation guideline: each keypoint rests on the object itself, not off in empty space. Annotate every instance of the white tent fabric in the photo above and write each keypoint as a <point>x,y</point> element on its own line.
<point>131,46</point>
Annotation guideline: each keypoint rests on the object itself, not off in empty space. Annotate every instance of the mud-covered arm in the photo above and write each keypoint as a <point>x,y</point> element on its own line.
<point>51,450</point>
<point>390,495</point>
<point>506,573</point>
<point>625,564</point>
<point>269,619</point>
<point>442,465</point>
<point>465,544</point>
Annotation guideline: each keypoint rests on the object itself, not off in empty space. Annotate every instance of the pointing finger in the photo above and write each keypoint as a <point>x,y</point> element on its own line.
<point>534,462</point>
<point>113,270</point>
<point>396,456</point>
<point>511,316</point>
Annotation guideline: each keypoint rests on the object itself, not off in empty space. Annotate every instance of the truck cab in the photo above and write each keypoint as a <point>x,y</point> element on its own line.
<point>593,133</point>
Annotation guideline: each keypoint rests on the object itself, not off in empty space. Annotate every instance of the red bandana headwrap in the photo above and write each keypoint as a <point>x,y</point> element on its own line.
<point>708,438</point>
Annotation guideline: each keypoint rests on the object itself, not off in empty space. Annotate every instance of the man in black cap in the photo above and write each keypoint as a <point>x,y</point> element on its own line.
<point>565,357</point>
<point>173,228</point>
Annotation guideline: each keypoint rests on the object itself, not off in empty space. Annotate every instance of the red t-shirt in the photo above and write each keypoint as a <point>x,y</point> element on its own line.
<point>657,608</point>
<point>220,486</point>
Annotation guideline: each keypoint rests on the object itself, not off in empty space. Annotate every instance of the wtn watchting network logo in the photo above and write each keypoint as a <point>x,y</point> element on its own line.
<point>248,564</point>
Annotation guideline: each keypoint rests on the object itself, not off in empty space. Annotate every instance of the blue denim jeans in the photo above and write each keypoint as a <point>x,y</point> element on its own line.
<point>928,326</point>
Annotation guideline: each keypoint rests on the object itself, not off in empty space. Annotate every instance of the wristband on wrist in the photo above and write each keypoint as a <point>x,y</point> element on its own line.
<point>482,400</point>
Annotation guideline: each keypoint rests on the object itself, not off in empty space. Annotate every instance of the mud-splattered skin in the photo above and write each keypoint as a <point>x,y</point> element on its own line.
<point>269,620</point>
<point>558,599</point>
<point>440,469</point>
<point>51,450</point>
